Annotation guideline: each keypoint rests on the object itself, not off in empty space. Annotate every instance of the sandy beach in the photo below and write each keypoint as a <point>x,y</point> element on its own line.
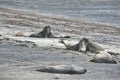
<point>20,57</point>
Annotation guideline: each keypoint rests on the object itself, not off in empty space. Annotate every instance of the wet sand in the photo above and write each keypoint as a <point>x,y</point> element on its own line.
<point>21,57</point>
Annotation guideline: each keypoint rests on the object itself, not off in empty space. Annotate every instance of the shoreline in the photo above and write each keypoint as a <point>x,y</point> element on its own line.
<point>63,16</point>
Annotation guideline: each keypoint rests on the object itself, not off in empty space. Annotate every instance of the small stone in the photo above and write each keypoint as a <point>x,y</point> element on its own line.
<point>56,78</point>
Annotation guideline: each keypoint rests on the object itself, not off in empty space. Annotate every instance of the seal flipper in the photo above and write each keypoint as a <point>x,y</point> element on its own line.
<point>66,37</point>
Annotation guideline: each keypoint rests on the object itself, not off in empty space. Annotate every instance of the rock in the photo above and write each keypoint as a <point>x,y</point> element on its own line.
<point>56,78</point>
<point>20,34</point>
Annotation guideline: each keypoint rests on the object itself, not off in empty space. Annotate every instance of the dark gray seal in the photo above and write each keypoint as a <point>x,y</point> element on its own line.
<point>75,47</point>
<point>46,33</point>
<point>63,69</point>
<point>91,46</point>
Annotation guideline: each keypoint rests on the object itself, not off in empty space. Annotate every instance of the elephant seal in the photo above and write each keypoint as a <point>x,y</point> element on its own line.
<point>75,47</point>
<point>84,45</point>
<point>46,33</point>
<point>63,69</point>
<point>91,46</point>
<point>103,57</point>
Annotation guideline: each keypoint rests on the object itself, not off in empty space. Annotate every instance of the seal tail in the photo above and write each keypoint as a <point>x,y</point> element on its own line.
<point>110,62</point>
<point>92,60</point>
<point>113,61</point>
<point>62,41</point>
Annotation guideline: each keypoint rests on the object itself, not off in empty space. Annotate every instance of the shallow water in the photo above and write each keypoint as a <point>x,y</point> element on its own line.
<point>103,11</point>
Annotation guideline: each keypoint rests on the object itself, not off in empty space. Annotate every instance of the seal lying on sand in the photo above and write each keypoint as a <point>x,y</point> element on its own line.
<point>84,45</point>
<point>103,57</point>
<point>63,69</point>
<point>75,47</point>
<point>46,33</point>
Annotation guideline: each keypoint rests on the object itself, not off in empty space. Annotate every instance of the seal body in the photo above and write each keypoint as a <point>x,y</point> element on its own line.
<point>75,47</point>
<point>93,47</point>
<point>63,69</point>
<point>103,57</point>
<point>90,46</point>
<point>46,33</point>
<point>84,45</point>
